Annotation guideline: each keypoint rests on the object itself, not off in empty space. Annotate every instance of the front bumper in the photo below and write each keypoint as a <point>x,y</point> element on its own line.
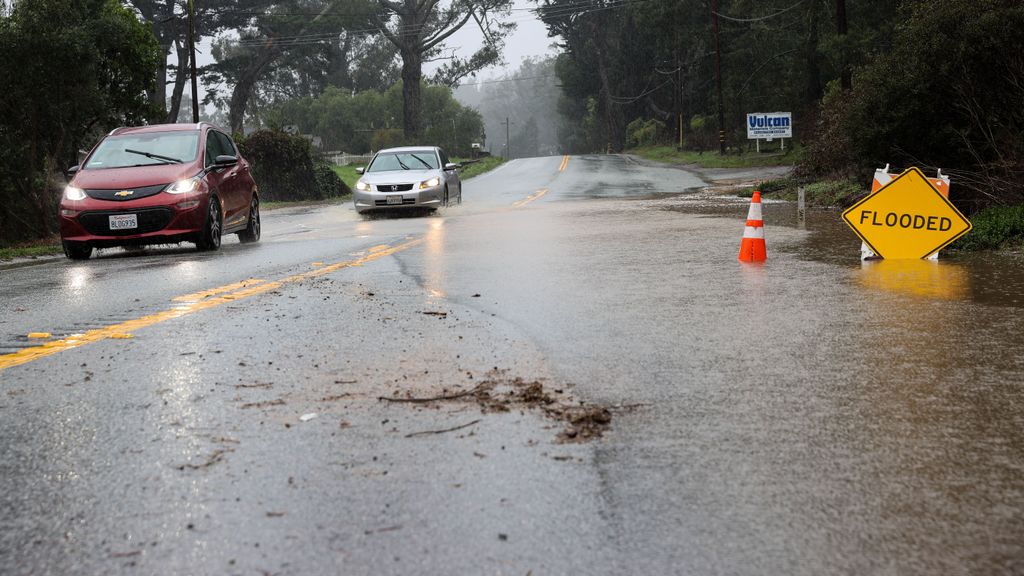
<point>373,200</point>
<point>158,222</point>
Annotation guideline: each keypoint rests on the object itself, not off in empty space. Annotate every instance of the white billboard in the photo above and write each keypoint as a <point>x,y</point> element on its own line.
<point>768,125</point>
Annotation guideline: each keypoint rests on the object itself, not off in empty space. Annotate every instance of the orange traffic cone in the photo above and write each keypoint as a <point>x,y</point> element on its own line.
<point>752,249</point>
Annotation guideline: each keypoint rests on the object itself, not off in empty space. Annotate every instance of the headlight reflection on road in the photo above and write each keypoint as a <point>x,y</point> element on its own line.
<point>186,269</point>
<point>434,259</point>
<point>77,279</point>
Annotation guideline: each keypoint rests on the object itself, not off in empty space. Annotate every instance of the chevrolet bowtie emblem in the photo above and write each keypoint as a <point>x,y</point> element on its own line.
<point>124,193</point>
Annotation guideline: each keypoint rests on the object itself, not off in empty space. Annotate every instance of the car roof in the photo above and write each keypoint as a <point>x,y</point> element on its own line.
<point>410,149</point>
<point>159,128</point>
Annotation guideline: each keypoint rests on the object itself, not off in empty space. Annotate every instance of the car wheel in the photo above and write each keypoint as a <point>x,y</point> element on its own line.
<point>209,238</point>
<point>252,230</point>
<point>77,250</point>
<point>446,202</point>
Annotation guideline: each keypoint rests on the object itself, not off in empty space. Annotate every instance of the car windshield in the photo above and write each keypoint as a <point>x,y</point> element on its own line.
<point>145,149</point>
<point>390,161</point>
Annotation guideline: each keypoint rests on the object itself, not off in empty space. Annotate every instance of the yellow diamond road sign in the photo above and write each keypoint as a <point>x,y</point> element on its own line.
<point>907,218</point>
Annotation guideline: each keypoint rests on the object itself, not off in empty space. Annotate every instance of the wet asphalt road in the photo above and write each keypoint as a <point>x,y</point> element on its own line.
<point>810,416</point>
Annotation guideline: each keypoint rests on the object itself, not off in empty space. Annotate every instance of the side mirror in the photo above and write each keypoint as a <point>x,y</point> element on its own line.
<point>72,171</point>
<point>452,166</point>
<point>225,160</point>
<point>360,170</point>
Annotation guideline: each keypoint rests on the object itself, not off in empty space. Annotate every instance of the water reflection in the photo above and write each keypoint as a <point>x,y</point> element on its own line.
<point>77,278</point>
<point>919,278</point>
<point>434,259</point>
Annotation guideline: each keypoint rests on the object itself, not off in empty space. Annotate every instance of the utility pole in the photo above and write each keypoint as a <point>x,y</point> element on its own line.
<point>508,142</point>
<point>846,82</point>
<point>192,57</point>
<point>718,77</point>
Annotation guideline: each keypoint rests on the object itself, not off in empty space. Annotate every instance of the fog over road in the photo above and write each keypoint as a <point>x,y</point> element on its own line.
<point>265,408</point>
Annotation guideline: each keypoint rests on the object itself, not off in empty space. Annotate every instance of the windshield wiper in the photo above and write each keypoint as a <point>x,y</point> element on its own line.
<point>422,161</point>
<point>402,164</point>
<point>166,159</point>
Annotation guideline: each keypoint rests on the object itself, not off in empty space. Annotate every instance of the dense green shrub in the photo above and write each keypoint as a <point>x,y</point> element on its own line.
<point>642,132</point>
<point>328,183</point>
<point>285,169</point>
<point>993,228</point>
<point>71,70</point>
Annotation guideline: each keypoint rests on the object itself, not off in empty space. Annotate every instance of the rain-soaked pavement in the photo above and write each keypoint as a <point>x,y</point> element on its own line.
<point>812,415</point>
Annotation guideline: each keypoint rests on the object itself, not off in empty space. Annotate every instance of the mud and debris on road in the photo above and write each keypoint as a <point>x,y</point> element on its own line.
<point>499,392</point>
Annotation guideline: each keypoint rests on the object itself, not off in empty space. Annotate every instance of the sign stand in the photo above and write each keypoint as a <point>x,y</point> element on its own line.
<point>906,216</point>
<point>883,177</point>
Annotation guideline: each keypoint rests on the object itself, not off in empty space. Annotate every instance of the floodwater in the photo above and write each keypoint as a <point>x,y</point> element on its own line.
<point>811,415</point>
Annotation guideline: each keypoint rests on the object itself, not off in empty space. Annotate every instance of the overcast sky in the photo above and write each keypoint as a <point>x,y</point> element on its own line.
<point>529,39</point>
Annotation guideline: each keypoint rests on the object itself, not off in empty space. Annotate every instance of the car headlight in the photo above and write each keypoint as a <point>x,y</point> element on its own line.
<point>183,186</point>
<point>360,185</point>
<point>72,193</point>
<point>430,183</point>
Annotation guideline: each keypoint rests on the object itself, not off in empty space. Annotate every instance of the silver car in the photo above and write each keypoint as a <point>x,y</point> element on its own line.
<point>410,177</point>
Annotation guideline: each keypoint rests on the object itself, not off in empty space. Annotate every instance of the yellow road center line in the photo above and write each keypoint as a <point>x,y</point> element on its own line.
<point>125,329</point>
<point>197,296</point>
<point>565,163</point>
<point>530,198</point>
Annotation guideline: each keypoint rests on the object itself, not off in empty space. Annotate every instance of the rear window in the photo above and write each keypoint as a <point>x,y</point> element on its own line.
<point>390,161</point>
<point>145,149</point>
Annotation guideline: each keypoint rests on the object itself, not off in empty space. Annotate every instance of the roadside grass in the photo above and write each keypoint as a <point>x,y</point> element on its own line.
<point>471,168</point>
<point>32,250</point>
<point>821,194</point>
<point>347,174</point>
<point>711,159</point>
<point>995,228</point>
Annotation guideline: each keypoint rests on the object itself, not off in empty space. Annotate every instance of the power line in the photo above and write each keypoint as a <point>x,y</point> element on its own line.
<point>758,19</point>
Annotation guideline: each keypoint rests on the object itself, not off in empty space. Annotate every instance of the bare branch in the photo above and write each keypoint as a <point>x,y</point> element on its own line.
<point>437,39</point>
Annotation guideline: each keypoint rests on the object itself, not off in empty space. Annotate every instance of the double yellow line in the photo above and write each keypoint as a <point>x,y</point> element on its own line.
<point>190,304</point>
<point>564,164</point>
<point>530,198</point>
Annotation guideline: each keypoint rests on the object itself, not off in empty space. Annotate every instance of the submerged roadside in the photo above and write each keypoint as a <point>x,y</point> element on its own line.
<point>996,228</point>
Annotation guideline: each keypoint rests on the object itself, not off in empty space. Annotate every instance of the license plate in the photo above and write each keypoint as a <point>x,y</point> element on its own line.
<point>124,221</point>
<point>394,199</point>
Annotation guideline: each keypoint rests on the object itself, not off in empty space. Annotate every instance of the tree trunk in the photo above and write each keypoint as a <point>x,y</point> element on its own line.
<point>412,76</point>
<point>158,95</point>
<point>813,89</point>
<point>180,77</point>
<point>612,113</point>
<point>846,77</point>
<point>244,87</point>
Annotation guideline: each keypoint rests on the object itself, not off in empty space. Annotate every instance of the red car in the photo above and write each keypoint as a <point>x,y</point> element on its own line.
<point>159,184</point>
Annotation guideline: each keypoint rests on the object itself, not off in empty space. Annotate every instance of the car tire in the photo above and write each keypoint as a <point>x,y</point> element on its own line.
<point>76,250</point>
<point>210,237</point>
<point>446,201</point>
<point>252,229</point>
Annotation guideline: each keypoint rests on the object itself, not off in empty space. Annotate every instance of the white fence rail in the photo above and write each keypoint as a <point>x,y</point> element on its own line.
<point>344,158</point>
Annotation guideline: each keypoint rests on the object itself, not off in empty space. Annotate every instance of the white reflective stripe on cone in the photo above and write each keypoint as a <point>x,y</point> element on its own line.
<point>753,232</point>
<point>755,211</point>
